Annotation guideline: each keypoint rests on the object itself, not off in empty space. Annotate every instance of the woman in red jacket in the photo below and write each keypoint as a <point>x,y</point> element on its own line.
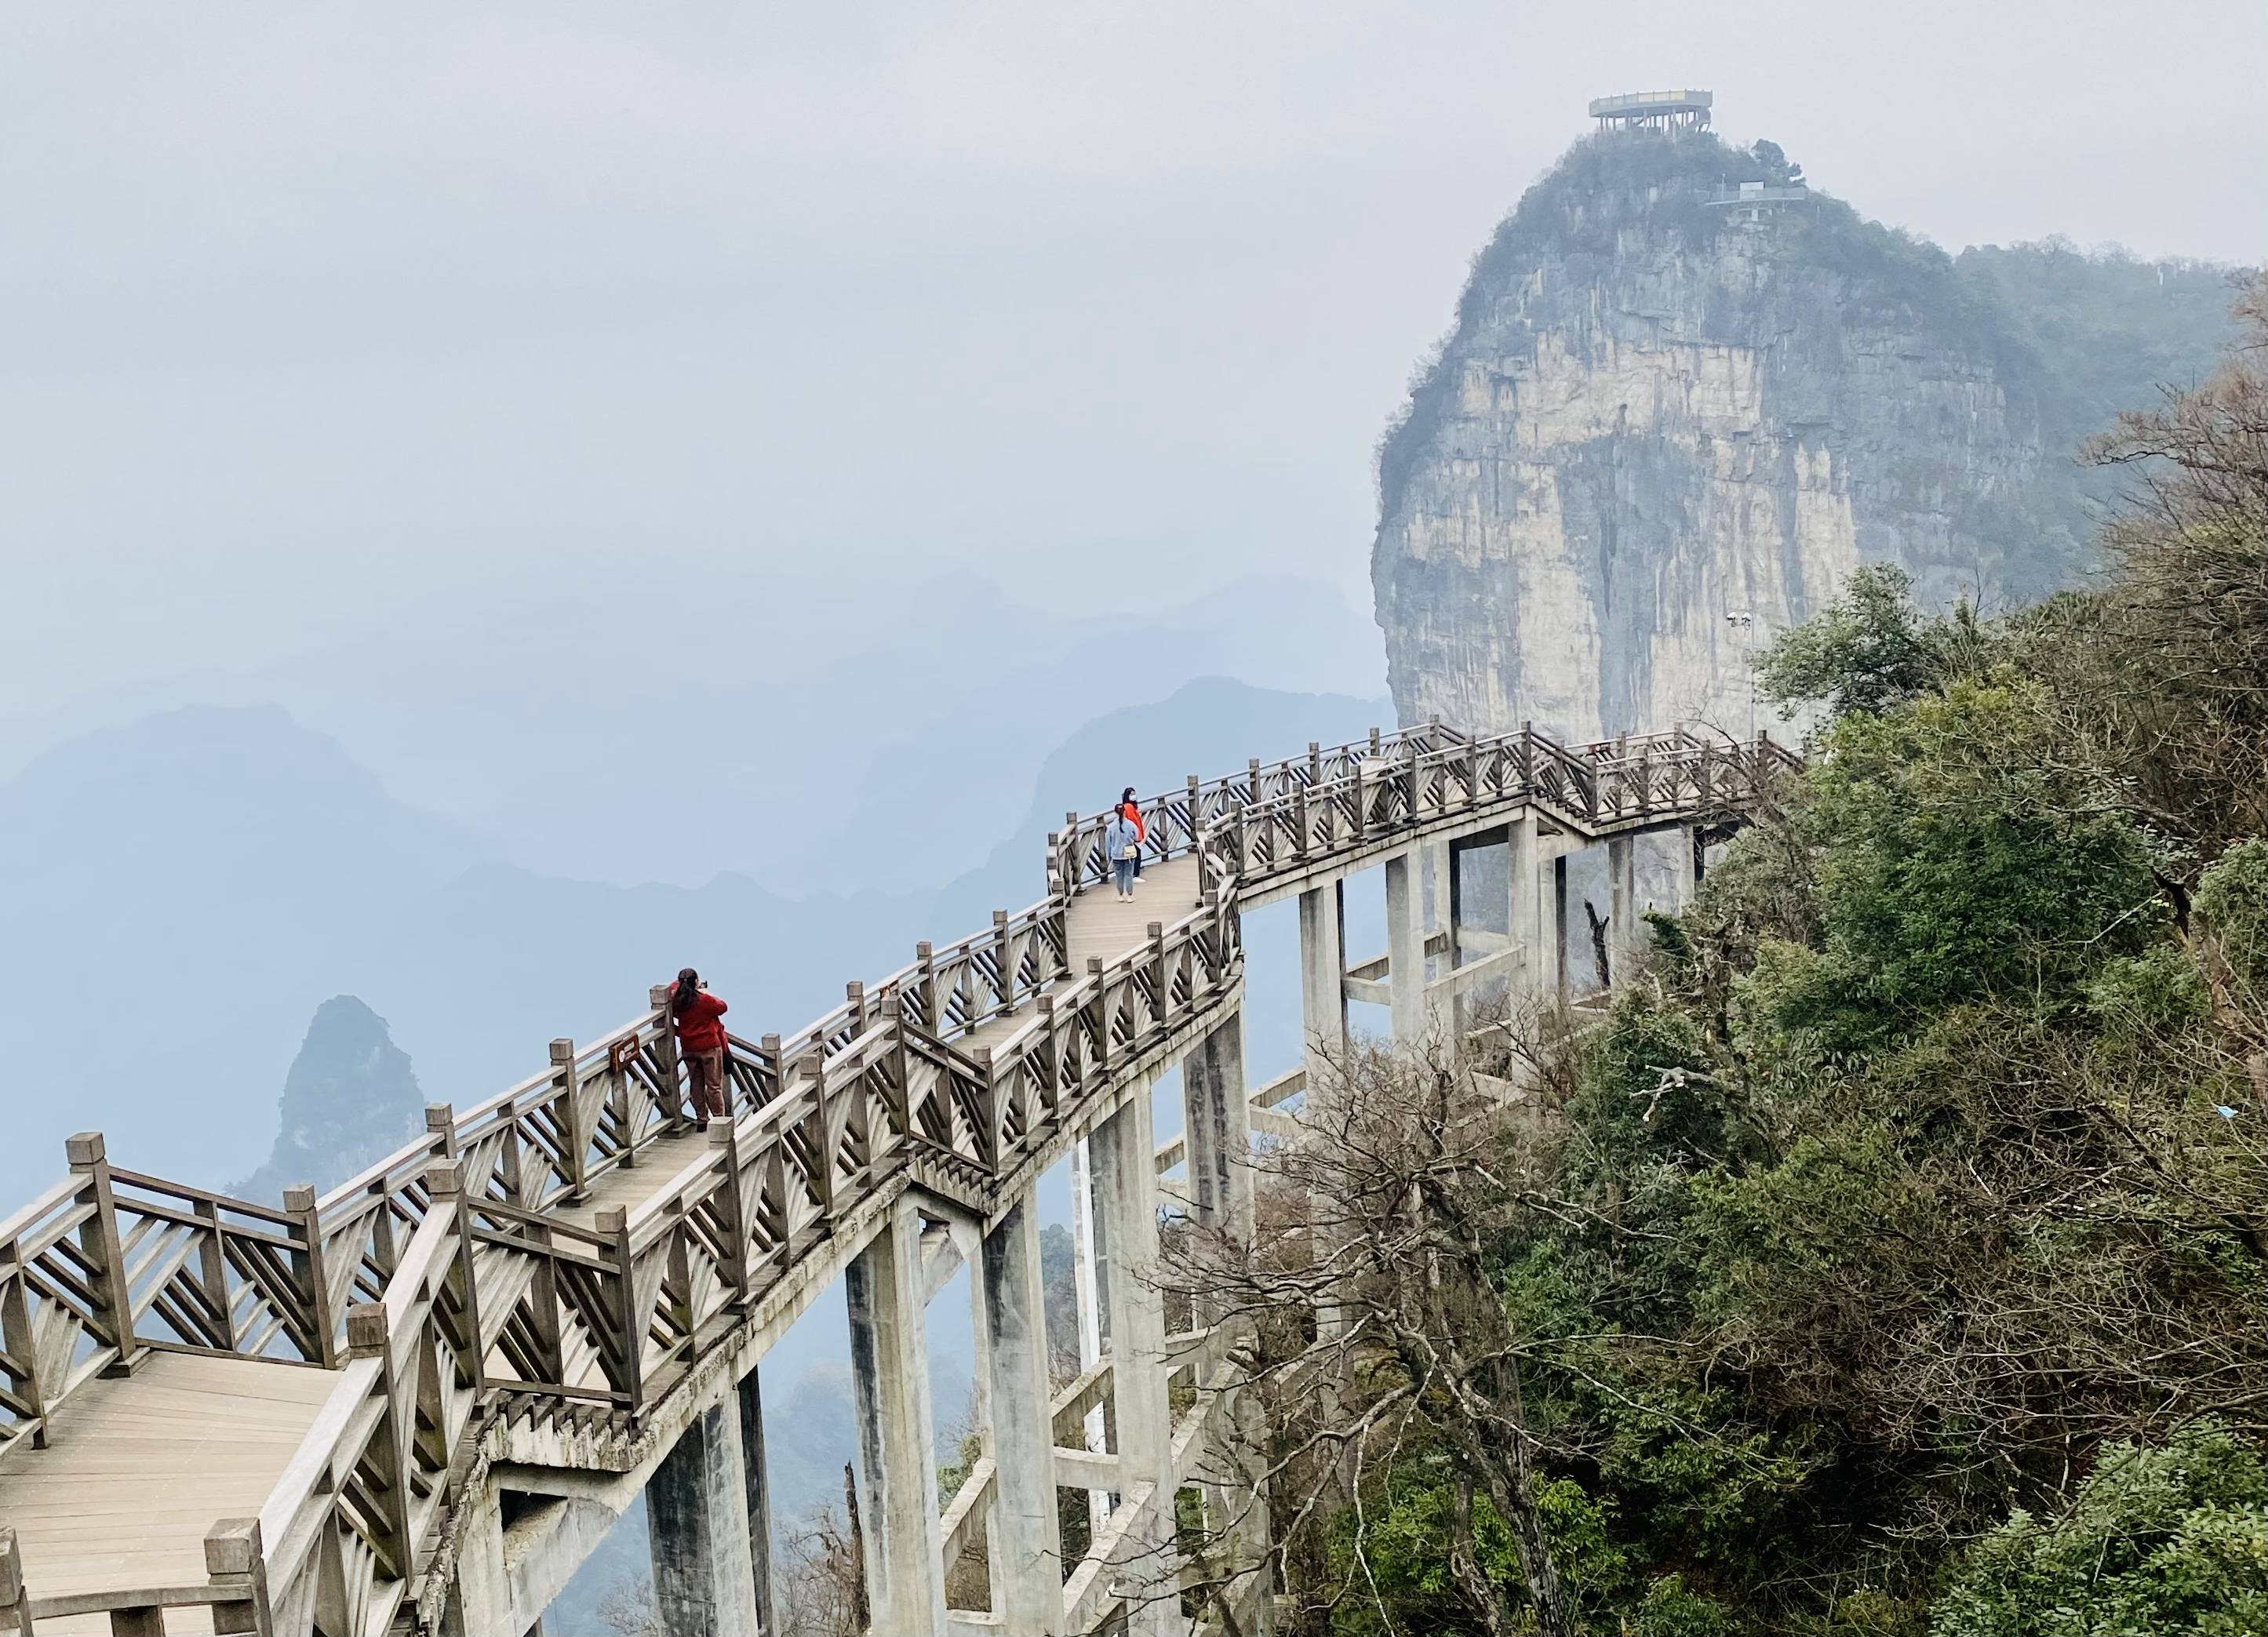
<point>701,1043</point>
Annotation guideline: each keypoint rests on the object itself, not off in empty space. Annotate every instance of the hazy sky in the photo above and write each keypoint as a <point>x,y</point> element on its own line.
<point>326,320</point>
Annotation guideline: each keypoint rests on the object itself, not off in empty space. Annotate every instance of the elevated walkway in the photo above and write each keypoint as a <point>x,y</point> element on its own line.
<point>305,1412</point>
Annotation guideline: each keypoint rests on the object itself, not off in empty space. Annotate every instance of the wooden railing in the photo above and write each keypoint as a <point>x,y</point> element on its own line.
<point>445,1273</point>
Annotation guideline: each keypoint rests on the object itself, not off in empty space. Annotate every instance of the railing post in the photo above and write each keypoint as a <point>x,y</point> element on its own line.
<point>925,988</point>
<point>1161,992</point>
<point>1074,862</point>
<point>897,1099</point>
<point>1004,969</point>
<point>441,1128</point>
<point>444,1186</point>
<point>15,1600</point>
<point>1527,757</point>
<point>1252,779</point>
<point>21,1343</point>
<point>1413,796</point>
<point>390,1442</point>
<point>629,1324</point>
<point>1102,1012</point>
<point>988,1108</point>
<point>236,1561</point>
<point>1315,761</point>
<point>723,1134</point>
<point>574,1121</point>
<point>99,1244</point>
<point>664,1053</point>
<point>310,1272</point>
<point>1197,810</point>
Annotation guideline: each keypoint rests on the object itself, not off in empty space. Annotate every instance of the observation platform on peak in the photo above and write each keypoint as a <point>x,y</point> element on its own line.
<point>218,1414</point>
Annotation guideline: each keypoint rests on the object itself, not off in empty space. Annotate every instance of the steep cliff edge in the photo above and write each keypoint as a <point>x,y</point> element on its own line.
<point>1657,410</point>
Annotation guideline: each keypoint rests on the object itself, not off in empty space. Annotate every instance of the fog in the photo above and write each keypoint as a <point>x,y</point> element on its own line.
<point>326,326</point>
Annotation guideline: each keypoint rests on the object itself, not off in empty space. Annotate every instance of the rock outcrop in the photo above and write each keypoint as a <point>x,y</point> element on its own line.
<point>350,1100</point>
<point>1659,413</point>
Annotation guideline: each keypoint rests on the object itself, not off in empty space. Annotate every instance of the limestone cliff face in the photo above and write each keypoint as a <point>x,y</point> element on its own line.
<point>1650,415</point>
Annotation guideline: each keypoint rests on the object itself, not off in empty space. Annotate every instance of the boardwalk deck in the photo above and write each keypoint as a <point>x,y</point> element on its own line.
<point>1098,924</point>
<point>139,1467</point>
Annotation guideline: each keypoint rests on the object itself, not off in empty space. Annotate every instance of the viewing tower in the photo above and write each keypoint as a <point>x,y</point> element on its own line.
<point>1653,110</point>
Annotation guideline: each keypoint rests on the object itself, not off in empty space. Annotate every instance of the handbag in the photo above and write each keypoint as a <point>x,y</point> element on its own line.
<point>1132,850</point>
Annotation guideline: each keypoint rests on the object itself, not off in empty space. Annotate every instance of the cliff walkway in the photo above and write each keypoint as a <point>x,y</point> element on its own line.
<point>415,1403</point>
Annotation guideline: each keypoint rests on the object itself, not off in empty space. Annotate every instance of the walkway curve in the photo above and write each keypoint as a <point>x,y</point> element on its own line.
<point>556,1274</point>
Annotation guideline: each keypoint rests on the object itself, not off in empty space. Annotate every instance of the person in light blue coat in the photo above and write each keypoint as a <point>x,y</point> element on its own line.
<point>1121,844</point>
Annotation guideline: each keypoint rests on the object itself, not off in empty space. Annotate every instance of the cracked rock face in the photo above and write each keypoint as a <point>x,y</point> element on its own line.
<point>1651,417</point>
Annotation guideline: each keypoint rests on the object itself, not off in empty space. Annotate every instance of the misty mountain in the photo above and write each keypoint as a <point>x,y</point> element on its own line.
<point>187,890</point>
<point>351,1098</point>
<point>180,895</point>
<point>710,717</point>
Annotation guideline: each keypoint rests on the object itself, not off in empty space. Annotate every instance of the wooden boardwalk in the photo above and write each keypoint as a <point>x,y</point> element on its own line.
<point>1098,924</point>
<point>138,1467</point>
<point>432,1286</point>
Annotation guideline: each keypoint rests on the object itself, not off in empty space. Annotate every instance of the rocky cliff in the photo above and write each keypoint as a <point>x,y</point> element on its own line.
<point>350,1100</point>
<point>1657,410</point>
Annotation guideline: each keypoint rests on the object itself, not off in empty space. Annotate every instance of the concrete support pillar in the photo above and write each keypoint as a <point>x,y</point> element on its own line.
<point>1022,1533</point>
<point>1623,939</point>
<point>696,1523</point>
<point>757,1487</point>
<point>1323,980</point>
<point>1684,866</point>
<point>1405,948</point>
<point>480,1597</point>
<point>1524,915</point>
<point>1441,908</point>
<point>1126,1203</point>
<point>889,1381</point>
<point>1088,1270</point>
<point>1554,932</point>
<point>1217,1124</point>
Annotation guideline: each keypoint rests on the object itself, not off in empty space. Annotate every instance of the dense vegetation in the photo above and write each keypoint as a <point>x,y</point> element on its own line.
<point>1898,1261</point>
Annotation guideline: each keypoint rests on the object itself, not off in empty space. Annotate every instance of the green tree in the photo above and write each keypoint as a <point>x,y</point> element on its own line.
<point>2169,1541</point>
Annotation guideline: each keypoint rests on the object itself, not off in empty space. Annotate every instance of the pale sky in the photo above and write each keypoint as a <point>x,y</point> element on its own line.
<point>321,322</point>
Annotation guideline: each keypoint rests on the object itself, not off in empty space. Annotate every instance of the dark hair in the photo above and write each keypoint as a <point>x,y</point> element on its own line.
<point>688,984</point>
<point>1127,797</point>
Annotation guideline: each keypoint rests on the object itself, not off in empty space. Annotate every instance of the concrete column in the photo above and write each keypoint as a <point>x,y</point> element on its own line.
<point>757,1487</point>
<point>697,1527</point>
<point>1684,866</point>
<point>1088,1272</point>
<point>898,1445</point>
<point>1022,1533</point>
<point>1405,948</point>
<point>1217,1119</point>
<point>1555,931</point>
<point>1217,1124</point>
<point>479,1599</point>
<point>1623,938</point>
<point>1126,1202</point>
<point>1525,916</point>
<point>1323,980</point>
<point>1440,910</point>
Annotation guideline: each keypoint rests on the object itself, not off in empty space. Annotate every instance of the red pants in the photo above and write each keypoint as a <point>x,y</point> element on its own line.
<point>709,1098</point>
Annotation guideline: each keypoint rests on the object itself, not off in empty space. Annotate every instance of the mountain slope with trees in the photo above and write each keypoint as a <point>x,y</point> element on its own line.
<point>1894,1259</point>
